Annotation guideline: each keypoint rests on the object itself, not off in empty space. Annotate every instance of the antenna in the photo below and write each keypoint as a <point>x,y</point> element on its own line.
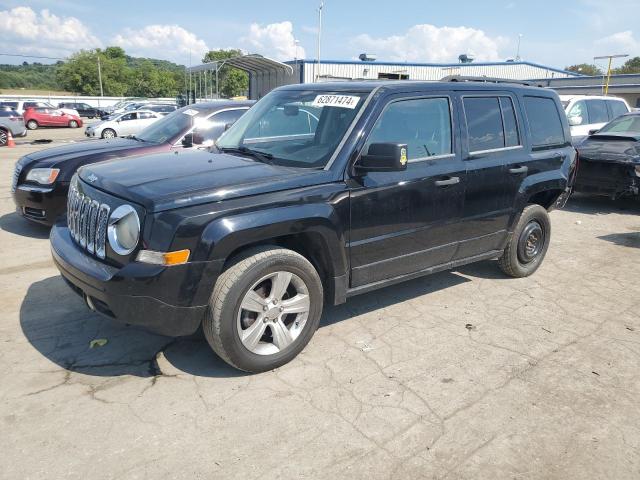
<point>319,39</point>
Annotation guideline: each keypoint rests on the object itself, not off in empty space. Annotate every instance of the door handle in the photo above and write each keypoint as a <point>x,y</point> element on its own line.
<point>519,170</point>
<point>448,181</point>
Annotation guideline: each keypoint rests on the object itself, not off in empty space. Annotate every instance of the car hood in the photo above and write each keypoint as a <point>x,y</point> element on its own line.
<point>69,157</point>
<point>609,148</point>
<point>173,180</point>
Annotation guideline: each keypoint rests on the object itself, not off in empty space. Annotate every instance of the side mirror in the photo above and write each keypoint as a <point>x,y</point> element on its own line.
<point>575,120</point>
<point>227,126</point>
<point>594,131</point>
<point>383,157</point>
<point>187,140</point>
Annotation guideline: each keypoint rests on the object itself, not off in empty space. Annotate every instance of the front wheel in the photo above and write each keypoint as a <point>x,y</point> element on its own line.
<point>264,309</point>
<point>32,124</point>
<point>528,244</point>
<point>108,133</point>
<point>73,124</point>
<point>4,137</point>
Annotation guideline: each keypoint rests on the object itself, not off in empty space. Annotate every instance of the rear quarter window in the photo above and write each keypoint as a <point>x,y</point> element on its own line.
<point>544,122</point>
<point>617,108</point>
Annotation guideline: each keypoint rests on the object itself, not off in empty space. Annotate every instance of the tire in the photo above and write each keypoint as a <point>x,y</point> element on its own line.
<point>73,124</point>
<point>4,137</point>
<point>528,244</point>
<point>259,270</point>
<point>108,133</point>
<point>32,124</point>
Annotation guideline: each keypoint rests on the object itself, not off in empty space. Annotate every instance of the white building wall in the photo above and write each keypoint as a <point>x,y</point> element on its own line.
<point>370,71</point>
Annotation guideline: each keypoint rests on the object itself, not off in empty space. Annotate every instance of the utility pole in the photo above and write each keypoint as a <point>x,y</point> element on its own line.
<point>610,57</point>
<point>100,75</point>
<point>319,39</point>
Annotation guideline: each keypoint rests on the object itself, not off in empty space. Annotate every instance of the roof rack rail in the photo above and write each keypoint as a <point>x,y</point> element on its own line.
<point>464,78</point>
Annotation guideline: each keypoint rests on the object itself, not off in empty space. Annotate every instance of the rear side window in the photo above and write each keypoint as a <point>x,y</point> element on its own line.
<point>491,123</point>
<point>617,108</point>
<point>484,123</point>
<point>424,124</point>
<point>511,137</point>
<point>597,111</point>
<point>544,121</point>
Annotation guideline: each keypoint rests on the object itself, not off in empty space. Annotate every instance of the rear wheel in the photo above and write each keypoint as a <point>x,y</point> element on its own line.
<point>73,124</point>
<point>529,243</point>
<point>4,137</point>
<point>264,309</point>
<point>108,133</point>
<point>32,124</point>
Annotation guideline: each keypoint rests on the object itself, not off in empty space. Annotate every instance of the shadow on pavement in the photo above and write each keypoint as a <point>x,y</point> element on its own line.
<point>14,223</point>
<point>58,324</point>
<point>591,204</point>
<point>629,239</point>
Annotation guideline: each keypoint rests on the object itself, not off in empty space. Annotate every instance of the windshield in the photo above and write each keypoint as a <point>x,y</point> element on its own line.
<point>298,128</point>
<point>173,125</point>
<point>628,125</point>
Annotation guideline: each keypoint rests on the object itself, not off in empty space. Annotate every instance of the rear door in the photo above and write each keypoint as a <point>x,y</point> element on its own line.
<point>406,222</point>
<point>492,151</point>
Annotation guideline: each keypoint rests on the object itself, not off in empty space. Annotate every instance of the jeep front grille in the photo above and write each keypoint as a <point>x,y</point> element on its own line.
<point>87,220</point>
<point>16,177</point>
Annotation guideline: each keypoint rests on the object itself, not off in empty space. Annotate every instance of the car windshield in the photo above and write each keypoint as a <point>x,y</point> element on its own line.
<point>626,125</point>
<point>173,125</point>
<point>298,128</point>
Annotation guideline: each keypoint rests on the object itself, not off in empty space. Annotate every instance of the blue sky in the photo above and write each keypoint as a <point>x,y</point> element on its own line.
<point>553,32</point>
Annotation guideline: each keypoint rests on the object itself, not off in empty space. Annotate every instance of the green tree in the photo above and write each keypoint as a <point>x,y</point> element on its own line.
<point>80,73</point>
<point>585,69</point>
<point>147,80</point>
<point>630,66</point>
<point>233,82</point>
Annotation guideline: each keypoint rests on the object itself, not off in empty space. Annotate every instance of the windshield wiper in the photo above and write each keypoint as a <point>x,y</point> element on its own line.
<point>263,157</point>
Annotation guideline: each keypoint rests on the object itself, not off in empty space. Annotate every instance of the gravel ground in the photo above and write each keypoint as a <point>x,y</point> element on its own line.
<point>461,375</point>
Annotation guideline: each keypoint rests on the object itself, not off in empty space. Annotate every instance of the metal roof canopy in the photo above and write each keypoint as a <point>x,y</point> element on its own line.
<point>252,63</point>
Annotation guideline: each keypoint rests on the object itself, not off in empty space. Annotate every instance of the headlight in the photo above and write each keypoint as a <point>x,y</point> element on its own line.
<point>123,230</point>
<point>43,176</point>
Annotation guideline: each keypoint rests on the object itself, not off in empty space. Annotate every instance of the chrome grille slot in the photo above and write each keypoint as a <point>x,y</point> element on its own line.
<point>87,220</point>
<point>16,177</point>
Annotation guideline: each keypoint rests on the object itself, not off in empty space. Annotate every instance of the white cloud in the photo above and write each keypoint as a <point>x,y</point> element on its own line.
<point>24,31</point>
<point>273,40</point>
<point>170,42</point>
<point>620,42</point>
<point>428,43</point>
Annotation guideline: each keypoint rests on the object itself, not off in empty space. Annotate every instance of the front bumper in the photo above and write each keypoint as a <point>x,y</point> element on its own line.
<point>43,205</point>
<point>137,293</point>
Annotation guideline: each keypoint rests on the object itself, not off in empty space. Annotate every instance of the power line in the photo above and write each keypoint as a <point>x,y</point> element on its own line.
<point>29,56</point>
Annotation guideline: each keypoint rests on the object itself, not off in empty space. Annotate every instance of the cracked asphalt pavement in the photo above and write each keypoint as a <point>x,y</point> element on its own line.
<point>461,375</point>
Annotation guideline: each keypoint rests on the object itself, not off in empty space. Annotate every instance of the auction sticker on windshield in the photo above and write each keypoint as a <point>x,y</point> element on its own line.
<point>342,101</point>
<point>191,112</point>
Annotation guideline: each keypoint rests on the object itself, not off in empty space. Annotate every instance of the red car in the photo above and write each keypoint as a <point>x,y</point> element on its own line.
<point>49,117</point>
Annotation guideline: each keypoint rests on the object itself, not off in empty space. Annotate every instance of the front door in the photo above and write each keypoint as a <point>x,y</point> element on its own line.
<point>406,222</point>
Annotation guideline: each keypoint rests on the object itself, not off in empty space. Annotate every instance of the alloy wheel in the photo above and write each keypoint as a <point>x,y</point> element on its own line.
<point>273,313</point>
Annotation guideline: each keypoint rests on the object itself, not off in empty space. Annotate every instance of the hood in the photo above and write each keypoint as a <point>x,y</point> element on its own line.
<point>179,179</point>
<point>71,156</point>
<point>610,148</point>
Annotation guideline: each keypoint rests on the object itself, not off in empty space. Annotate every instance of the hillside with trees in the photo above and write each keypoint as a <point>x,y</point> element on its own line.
<point>122,75</point>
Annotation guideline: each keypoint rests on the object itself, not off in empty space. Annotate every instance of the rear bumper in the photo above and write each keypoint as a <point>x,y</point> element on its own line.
<point>607,178</point>
<point>43,205</point>
<point>130,294</point>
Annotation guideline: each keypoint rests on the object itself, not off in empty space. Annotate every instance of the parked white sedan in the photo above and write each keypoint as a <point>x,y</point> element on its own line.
<point>122,124</point>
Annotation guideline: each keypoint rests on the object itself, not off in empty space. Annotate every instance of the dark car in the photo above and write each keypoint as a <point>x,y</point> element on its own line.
<point>41,179</point>
<point>395,180</point>
<point>610,159</point>
<point>84,109</point>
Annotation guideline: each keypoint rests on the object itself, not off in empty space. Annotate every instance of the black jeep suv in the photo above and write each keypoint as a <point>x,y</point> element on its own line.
<point>318,193</point>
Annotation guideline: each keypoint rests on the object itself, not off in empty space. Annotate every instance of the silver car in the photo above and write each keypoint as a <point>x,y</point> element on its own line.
<point>11,121</point>
<point>122,124</point>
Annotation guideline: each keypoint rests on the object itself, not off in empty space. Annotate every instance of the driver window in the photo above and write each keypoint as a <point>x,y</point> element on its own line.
<point>423,124</point>
<point>579,112</point>
<point>129,116</point>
